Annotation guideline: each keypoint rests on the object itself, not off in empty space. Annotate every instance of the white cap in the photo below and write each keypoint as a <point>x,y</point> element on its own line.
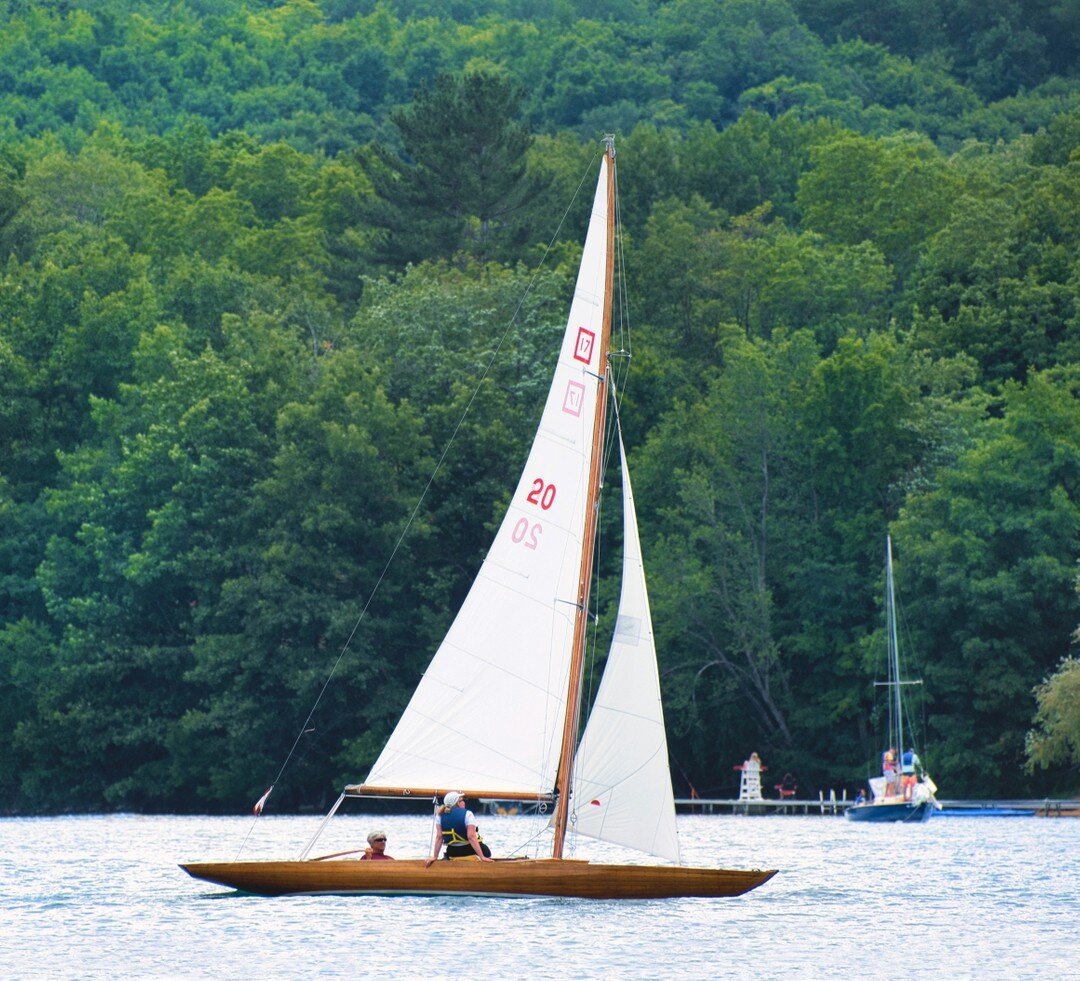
<point>452,798</point>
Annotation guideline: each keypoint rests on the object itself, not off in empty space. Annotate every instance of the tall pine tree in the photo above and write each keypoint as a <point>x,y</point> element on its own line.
<point>463,180</point>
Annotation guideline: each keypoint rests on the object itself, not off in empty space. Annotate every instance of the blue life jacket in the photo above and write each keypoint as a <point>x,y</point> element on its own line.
<point>908,762</point>
<point>453,827</point>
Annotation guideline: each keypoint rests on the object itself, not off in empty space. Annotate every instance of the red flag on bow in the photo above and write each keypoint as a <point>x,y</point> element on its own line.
<point>257,809</point>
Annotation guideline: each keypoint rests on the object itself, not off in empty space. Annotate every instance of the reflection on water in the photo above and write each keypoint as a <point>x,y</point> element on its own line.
<point>102,897</point>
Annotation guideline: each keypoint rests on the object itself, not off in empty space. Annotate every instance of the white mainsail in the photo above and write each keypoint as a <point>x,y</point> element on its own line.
<point>488,710</point>
<point>622,781</point>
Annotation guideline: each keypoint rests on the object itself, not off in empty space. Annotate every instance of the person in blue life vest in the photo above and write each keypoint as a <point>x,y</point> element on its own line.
<point>909,765</point>
<point>457,826</point>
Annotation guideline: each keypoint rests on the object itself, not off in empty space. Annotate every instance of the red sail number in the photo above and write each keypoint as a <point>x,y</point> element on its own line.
<point>542,494</point>
<point>526,534</point>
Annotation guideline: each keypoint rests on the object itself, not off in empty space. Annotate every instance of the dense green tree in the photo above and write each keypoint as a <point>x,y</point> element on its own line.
<point>1055,740</point>
<point>767,278</point>
<point>677,258</point>
<point>261,264</point>
<point>893,193</point>
<point>998,46</point>
<point>1057,142</point>
<point>72,320</point>
<point>986,559</point>
<point>464,174</point>
<point>147,522</point>
<point>998,281</point>
<point>910,27</point>
<point>331,506</point>
<point>26,658</point>
<point>755,161</point>
<point>725,478</point>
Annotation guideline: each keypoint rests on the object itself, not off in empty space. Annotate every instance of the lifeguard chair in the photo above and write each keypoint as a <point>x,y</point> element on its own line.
<point>750,780</point>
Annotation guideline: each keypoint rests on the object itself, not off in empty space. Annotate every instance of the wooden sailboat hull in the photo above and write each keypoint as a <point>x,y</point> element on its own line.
<point>913,812</point>
<point>508,878</point>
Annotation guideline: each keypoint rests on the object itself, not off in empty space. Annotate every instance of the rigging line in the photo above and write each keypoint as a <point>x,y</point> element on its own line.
<point>521,846</point>
<point>438,466</point>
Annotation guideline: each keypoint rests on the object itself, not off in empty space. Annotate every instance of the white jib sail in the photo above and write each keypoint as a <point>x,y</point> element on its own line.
<point>488,711</point>
<point>622,780</point>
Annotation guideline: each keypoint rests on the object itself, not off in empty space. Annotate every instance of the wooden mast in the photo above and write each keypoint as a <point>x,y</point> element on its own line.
<point>577,654</point>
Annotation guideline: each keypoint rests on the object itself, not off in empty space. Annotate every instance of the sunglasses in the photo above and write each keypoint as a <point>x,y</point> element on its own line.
<point>378,839</point>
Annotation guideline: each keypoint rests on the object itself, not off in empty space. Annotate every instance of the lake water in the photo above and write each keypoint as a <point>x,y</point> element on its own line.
<point>102,897</point>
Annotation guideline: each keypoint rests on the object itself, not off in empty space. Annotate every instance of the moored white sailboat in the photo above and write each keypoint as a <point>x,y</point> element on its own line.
<point>904,792</point>
<point>496,713</point>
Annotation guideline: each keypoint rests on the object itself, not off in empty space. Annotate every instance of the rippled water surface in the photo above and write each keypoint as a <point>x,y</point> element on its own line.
<point>102,897</point>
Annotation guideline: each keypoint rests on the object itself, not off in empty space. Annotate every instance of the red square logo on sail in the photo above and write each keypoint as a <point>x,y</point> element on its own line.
<point>574,398</point>
<point>583,347</point>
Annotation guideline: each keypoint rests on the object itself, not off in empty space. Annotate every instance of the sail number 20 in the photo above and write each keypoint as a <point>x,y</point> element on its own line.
<point>542,494</point>
<point>528,532</point>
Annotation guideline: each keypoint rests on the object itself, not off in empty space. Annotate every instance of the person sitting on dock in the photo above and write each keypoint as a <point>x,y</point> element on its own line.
<point>457,831</point>
<point>376,849</point>
<point>787,786</point>
<point>909,765</point>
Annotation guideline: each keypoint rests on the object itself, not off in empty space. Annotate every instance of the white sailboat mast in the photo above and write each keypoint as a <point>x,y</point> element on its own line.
<point>577,656</point>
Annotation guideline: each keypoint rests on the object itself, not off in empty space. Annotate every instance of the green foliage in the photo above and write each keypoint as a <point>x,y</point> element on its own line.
<point>710,470</point>
<point>988,568</point>
<point>995,46</point>
<point>999,280</point>
<point>325,75</point>
<point>1056,736</point>
<point>464,178</point>
<point>894,194</point>
<point>258,259</point>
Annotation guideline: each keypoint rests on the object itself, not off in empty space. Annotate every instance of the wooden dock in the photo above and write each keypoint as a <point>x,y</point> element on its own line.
<point>830,805</point>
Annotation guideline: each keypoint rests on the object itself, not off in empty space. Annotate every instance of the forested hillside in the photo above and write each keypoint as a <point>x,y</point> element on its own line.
<point>255,258</point>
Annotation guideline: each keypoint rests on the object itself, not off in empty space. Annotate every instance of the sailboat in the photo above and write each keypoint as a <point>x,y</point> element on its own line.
<point>496,714</point>
<point>904,792</point>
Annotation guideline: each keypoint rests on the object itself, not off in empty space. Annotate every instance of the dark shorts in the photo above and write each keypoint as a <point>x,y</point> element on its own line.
<point>466,851</point>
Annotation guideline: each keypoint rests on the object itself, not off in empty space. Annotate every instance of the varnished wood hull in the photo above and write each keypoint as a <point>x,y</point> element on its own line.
<point>534,877</point>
